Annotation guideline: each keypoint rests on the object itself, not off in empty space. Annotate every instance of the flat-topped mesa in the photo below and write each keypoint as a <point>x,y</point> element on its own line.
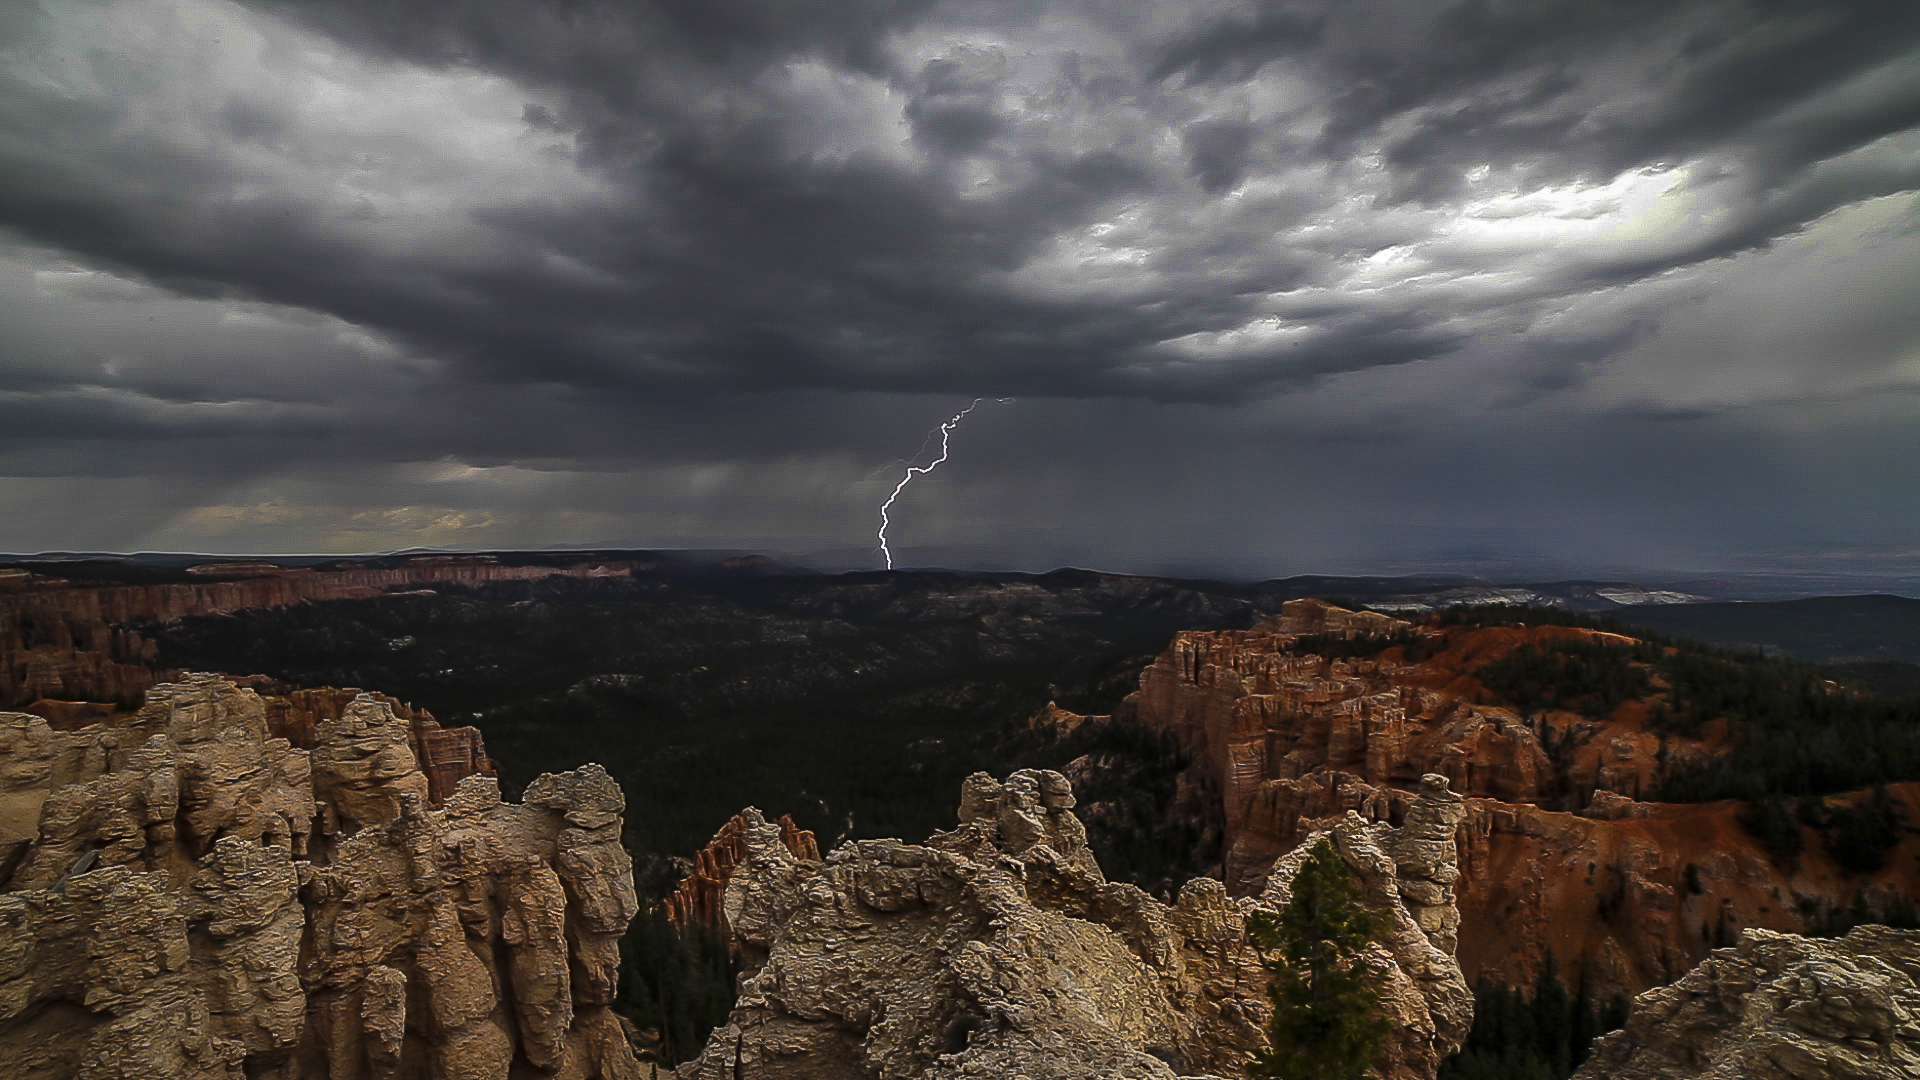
<point>1309,616</point>
<point>187,896</point>
<point>999,949</point>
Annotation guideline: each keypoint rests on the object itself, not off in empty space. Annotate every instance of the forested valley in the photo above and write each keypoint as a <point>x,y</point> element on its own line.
<point>857,704</point>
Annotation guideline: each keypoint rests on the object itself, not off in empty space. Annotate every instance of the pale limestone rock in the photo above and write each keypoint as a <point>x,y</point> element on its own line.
<point>1427,859</point>
<point>1778,1007</point>
<point>587,796</point>
<point>163,918</point>
<point>999,950</point>
<point>1406,873</point>
<point>363,765</point>
<point>96,979</point>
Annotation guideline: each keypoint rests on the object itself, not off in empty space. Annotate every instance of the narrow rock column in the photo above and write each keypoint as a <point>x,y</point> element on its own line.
<point>1428,859</point>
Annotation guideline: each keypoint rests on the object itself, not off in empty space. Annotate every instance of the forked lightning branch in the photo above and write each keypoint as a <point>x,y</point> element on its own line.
<point>946,431</point>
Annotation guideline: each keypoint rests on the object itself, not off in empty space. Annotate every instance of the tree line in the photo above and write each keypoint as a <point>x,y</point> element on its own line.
<point>1543,1035</point>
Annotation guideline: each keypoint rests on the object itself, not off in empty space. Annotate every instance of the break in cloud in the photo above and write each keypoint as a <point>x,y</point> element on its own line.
<point>1280,287</point>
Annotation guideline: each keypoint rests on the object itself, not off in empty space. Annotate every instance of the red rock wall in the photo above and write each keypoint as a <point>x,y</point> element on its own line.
<point>698,900</point>
<point>446,755</point>
<point>1293,742</point>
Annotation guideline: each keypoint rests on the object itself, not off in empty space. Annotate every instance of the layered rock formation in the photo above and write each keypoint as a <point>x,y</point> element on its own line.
<point>1622,895</point>
<point>1778,1007</point>
<point>700,898</point>
<point>998,949</point>
<point>188,896</point>
<point>69,641</point>
<point>445,755</point>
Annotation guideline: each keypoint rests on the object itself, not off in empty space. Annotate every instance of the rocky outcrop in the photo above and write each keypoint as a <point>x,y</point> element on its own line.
<point>699,900</point>
<point>998,949</point>
<point>69,641</point>
<point>1318,617</point>
<point>1295,738</point>
<point>1778,1007</point>
<point>446,755</point>
<point>188,896</point>
<point>1617,893</point>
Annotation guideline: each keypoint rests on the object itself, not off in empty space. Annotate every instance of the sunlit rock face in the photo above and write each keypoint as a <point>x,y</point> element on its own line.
<point>998,949</point>
<point>1778,1007</point>
<point>186,896</point>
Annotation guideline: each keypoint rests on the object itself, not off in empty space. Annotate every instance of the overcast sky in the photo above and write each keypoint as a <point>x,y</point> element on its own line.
<point>1275,287</point>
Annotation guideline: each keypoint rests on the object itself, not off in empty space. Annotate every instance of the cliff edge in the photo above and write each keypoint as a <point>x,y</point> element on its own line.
<point>1320,711</point>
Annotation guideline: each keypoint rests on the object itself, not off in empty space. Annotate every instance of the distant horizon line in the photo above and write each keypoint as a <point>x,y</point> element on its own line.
<point>1516,576</point>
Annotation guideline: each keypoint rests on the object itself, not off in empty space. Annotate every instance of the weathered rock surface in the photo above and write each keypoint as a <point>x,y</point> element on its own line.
<point>187,896</point>
<point>1778,1007</point>
<point>999,950</point>
<point>446,755</point>
<point>700,898</point>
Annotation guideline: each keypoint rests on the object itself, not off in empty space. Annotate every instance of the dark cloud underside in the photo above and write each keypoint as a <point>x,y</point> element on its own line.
<point>584,237</point>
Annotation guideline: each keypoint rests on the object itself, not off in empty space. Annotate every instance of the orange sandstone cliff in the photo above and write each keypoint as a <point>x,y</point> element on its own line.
<point>1620,895</point>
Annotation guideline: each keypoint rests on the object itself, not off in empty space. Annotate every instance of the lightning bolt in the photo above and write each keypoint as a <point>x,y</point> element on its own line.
<point>945,430</point>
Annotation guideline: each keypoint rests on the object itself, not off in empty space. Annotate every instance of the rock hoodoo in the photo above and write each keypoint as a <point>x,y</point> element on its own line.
<point>187,897</point>
<point>1778,1007</point>
<point>700,898</point>
<point>998,949</point>
<point>1288,733</point>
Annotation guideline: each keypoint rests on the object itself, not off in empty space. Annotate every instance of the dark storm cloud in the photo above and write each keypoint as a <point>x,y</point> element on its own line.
<point>1218,152</point>
<point>1238,45</point>
<point>594,235</point>
<point>730,251</point>
<point>1492,82</point>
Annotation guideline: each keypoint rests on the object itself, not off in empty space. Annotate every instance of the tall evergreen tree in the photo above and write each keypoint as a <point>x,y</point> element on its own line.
<point>1326,1013</point>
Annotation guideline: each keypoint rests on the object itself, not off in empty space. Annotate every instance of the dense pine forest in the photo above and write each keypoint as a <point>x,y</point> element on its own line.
<point>1542,1032</point>
<point>1797,728</point>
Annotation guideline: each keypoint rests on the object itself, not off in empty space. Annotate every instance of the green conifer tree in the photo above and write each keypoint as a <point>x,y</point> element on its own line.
<point>1326,1013</point>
